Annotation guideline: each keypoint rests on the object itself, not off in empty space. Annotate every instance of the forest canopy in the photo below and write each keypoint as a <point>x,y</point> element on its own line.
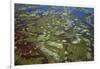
<point>53,34</point>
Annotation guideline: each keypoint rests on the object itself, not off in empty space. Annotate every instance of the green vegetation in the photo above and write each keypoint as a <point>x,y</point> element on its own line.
<point>53,34</point>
